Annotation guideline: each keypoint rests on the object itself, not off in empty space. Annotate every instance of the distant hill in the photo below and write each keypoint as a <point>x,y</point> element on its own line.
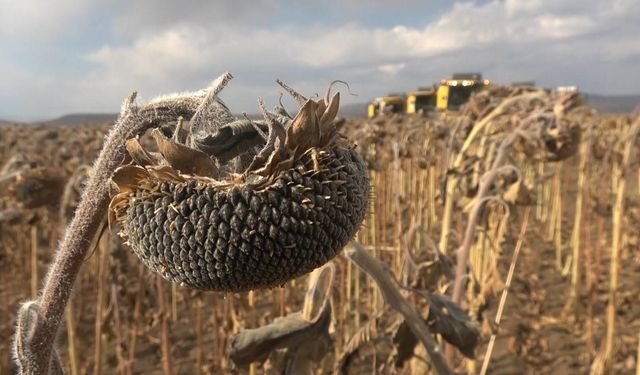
<point>603,103</point>
<point>348,110</point>
<point>613,104</point>
<point>83,118</point>
<point>6,122</point>
<point>353,110</point>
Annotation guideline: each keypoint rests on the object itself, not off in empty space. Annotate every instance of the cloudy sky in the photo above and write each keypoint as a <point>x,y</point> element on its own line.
<point>65,56</point>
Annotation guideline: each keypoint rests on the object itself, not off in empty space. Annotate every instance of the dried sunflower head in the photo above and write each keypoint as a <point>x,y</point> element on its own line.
<point>235,204</point>
<point>37,187</point>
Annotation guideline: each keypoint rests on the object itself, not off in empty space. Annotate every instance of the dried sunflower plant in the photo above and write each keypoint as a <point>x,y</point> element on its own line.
<point>225,204</point>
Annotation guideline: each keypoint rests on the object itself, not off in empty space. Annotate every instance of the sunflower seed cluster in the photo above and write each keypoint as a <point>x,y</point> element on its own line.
<point>239,238</point>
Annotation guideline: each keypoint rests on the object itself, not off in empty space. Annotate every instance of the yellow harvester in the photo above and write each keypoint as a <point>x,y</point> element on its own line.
<point>422,100</point>
<point>392,103</point>
<point>456,91</point>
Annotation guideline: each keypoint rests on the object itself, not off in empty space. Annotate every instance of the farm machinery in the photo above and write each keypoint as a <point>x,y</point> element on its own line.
<point>450,95</point>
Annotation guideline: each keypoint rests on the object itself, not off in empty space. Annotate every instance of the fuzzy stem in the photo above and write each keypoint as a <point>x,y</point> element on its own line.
<point>76,243</point>
<point>87,220</point>
<point>34,261</point>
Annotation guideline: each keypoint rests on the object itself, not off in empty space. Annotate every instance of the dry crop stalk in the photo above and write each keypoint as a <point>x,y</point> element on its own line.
<point>505,291</point>
<point>541,202</point>
<point>481,154</point>
<point>638,357</point>
<point>397,167</point>
<point>356,309</point>
<point>591,272</point>
<point>557,221</point>
<point>121,362</point>
<point>71,338</point>
<point>485,184</point>
<point>135,321</point>
<point>433,218</point>
<point>102,267</point>
<point>174,302</point>
<point>199,354</point>
<point>621,176</point>
<point>347,307</point>
<point>164,323</point>
<point>452,181</point>
<point>392,296</point>
<point>373,241</point>
<point>575,237</point>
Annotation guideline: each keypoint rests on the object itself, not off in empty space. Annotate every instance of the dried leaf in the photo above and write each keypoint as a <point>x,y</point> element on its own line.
<point>114,206</point>
<point>328,130</point>
<point>331,112</point>
<point>453,323</point>
<point>444,318</point>
<point>518,193</point>
<point>37,187</point>
<point>138,154</point>
<point>360,338</point>
<point>300,332</point>
<point>165,173</point>
<point>183,158</point>
<point>304,132</point>
<point>229,141</point>
<point>129,177</point>
<point>291,331</point>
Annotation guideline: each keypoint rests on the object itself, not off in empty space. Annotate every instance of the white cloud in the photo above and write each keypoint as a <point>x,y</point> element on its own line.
<point>41,21</point>
<point>142,17</point>
<point>190,50</point>
<point>158,49</point>
<point>391,69</point>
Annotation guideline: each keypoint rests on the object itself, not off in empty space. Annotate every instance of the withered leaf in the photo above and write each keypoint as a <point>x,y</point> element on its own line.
<point>115,203</point>
<point>518,193</point>
<point>327,128</point>
<point>444,318</point>
<point>183,158</point>
<point>165,173</point>
<point>129,177</point>
<point>331,112</point>
<point>139,155</point>
<point>304,132</point>
<point>321,108</point>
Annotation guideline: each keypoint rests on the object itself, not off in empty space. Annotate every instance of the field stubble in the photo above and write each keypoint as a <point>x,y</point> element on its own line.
<point>441,186</point>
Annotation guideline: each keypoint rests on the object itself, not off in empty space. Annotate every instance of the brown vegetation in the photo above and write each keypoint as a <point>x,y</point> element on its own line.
<point>451,199</point>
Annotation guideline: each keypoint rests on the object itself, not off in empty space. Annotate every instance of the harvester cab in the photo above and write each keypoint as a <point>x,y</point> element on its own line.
<point>392,103</point>
<point>455,92</point>
<point>422,100</point>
